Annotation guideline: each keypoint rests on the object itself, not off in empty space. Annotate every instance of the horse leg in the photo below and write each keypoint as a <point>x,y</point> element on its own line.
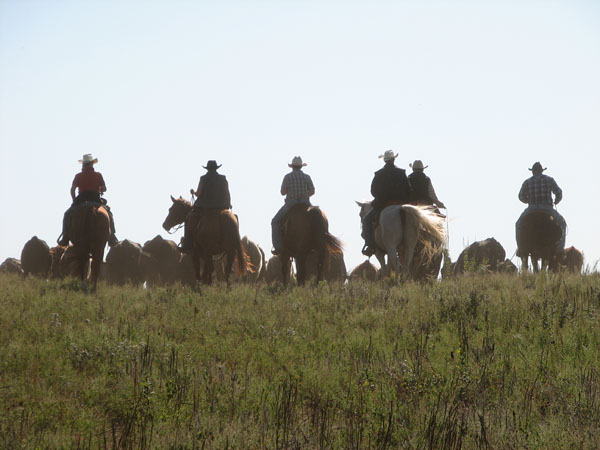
<point>301,269</point>
<point>286,263</point>
<point>228,266</point>
<point>535,263</point>
<point>393,261</point>
<point>524,264</point>
<point>381,258</point>
<point>321,257</point>
<point>97,257</point>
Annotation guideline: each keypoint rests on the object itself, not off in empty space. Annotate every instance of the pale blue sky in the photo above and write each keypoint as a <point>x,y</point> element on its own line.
<point>477,90</point>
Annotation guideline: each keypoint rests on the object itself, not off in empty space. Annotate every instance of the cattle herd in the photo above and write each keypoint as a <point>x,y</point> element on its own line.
<point>159,262</point>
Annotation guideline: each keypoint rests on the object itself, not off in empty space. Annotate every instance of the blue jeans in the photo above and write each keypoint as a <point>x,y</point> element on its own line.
<point>276,232</point>
<point>560,246</point>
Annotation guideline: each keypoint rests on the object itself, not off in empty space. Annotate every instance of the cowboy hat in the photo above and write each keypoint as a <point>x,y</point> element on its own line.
<point>212,165</point>
<point>88,159</point>
<point>389,155</point>
<point>418,165</point>
<point>537,167</point>
<point>297,162</point>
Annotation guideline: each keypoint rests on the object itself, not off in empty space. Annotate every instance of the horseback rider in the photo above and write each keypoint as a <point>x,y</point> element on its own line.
<point>212,194</point>
<point>537,192</point>
<point>90,185</point>
<point>422,189</point>
<point>297,186</point>
<point>389,184</point>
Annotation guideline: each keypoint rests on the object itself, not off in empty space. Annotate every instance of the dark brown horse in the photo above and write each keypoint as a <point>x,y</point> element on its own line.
<point>214,232</point>
<point>89,226</point>
<point>306,229</point>
<point>538,239</point>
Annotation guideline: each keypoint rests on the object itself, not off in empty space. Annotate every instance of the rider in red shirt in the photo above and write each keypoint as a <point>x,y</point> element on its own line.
<point>90,185</point>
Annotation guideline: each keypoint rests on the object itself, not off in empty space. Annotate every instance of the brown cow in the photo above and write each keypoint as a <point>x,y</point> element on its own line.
<point>11,265</point>
<point>35,257</point>
<point>124,264</point>
<point>487,255</point>
<point>56,254</point>
<point>160,261</point>
<point>573,260</point>
<point>256,257</point>
<point>364,271</point>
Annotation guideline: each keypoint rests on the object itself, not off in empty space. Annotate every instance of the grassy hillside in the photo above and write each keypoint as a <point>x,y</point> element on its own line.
<point>477,362</point>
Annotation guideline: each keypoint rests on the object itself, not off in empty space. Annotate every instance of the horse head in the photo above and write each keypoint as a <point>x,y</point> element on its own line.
<point>177,213</point>
<point>365,208</point>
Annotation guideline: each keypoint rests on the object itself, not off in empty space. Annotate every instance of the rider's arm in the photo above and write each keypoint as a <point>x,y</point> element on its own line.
<point>310,185</point>
<point>524,193</point>
<point>102,188</point>
<point>557,192</point>
<point>284,186</point>
<point>228,195</point>
<point>73,187</point>
<point>200,188</point>
<point>433,196</point>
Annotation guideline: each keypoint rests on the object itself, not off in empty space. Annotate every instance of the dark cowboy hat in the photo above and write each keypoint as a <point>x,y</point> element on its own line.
<point>212,165</point>
<point>537,167</point>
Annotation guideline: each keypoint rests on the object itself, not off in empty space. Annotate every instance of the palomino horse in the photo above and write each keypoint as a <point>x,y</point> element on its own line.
<point>538,239</point>
<point>305,229</point>
<point>89,226</point>
<point>399,230</point>
<point>214,233</point>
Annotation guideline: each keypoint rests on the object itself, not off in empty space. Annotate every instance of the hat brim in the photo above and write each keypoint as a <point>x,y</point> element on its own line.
<point>541,168</point>
<point>383,157</point>
<point>212,167</point>
<point>297,165</point>
<point>93,161</point>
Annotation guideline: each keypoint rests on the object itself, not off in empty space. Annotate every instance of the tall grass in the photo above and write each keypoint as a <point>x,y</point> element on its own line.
<point>475,362</point>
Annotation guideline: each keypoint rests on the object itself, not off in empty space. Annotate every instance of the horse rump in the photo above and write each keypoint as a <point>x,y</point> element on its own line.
<point>539,235</point>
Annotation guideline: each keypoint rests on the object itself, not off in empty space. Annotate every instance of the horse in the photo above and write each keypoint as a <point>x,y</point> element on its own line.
<point>306,229</point>
<point>215,232</point>
<point>89,225</point>
<point>538,238</point>
<point>399,230</point>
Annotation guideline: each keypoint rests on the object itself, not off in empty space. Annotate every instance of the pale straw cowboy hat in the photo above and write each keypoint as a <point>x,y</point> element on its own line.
<point>88,159</point>
<point>389,155</point>
<point>418,165</point>
<point>297,162</point>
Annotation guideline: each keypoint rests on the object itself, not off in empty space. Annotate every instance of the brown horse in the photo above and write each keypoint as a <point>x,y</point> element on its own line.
<point>306,229</point>
<point>539,235</point>
<point>215,232</point>
<point>89,226</point>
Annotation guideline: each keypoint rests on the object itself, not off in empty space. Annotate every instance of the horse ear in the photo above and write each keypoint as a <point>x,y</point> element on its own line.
<point>359,204</point>
<point>172,199</point>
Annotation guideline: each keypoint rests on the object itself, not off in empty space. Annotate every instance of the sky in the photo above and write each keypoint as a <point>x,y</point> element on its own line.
<point>478,90</point>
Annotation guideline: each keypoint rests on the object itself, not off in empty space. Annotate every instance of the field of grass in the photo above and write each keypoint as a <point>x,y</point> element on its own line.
<point>477,362</point>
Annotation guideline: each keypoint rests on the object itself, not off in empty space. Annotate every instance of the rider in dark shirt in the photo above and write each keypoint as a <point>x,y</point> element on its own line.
<point>422,188</point>
<point>212,193</point>
<point>389,184</point>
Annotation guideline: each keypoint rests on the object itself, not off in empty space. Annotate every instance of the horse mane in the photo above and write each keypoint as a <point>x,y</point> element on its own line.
<point>183,201</point>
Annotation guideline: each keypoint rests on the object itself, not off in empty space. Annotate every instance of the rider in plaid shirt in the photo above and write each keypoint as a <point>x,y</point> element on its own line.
<point>537,192</point>
<point>297,187</point>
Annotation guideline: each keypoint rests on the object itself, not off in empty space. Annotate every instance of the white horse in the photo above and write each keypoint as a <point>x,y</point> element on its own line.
<point>400,228</point>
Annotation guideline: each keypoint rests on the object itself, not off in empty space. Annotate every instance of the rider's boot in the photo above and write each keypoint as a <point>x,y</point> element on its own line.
<point>112,239</point>
<point>63,240</point>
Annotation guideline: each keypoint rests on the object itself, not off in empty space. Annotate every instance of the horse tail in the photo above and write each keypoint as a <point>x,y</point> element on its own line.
<point>433,232</point>
<point>244,264</point>
<point>321,226</point>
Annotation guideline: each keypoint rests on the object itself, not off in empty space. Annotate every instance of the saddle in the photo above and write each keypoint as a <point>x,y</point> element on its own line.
<point>286,219</point>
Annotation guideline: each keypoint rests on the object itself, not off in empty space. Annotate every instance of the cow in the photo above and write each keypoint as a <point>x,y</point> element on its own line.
<point>160,261</point>
<point>274,271</point>
<point>364,271</point>
<point>11,265</point>
<point>486,255</point>
<point>573,260</point>
<point>124,264</point>
<point>334,267</point>
<point>69,264</point>
<point>35,257</point>
<point>507,266</point>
